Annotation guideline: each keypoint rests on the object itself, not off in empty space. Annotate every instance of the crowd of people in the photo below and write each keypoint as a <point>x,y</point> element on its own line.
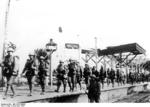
<point>71,73</point>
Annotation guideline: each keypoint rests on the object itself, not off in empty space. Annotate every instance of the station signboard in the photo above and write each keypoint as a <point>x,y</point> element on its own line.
<point>71,46</point>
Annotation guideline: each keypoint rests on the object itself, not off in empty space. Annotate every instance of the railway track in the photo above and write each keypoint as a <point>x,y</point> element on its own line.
<point>141,97</point>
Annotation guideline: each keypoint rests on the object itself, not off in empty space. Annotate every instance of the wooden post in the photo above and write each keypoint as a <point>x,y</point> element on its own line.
<point>50,70</point>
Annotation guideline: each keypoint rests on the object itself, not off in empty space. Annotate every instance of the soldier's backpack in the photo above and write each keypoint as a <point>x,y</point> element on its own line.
<point>9,64</point>
<point>16,66</point>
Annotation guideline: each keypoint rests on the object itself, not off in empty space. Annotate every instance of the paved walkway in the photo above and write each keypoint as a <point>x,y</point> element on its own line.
<point>22,93</point>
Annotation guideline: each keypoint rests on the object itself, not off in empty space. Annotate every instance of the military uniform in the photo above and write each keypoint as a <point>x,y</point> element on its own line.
<point>72,75</point>
<point>123,77</point>
<point>29,71</point>
<point>8,66</point>
<point>8,71</point>
<point>94,88</point>
<point>42,73</point>
<point>131,78</point>
<point>143,77</point>
<point>61,76</point>
<point>95,72</point>
<point>102,76</point>
<point>79,75</point>
<point>119,77</point>
<point>87,74</point>
<point>112,77</point>
<point>108,77</point>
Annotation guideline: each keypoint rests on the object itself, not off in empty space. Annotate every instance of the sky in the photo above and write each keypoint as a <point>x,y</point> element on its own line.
<point>31,23</point>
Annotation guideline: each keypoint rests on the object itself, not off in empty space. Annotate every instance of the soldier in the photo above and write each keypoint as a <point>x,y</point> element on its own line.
<point>79,75</point>
<point>42,73</point>
<point>142,77</point>
<point>87,73</point>
<point>95,72</point>
<point>131,77</point>
<point>118,75</point>
<point>29,71</point>
<point>146,73</point>
<point>102,76</point>
<point>71,75</point>
<point>8,71</point>
<point>108,76</point>
<point>123,77</point>
<point>112,76</point>
<point>94,88</point>
<point>61,76</point>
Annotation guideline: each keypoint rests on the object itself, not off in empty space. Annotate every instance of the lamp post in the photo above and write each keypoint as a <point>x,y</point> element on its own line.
<point>51,47</point>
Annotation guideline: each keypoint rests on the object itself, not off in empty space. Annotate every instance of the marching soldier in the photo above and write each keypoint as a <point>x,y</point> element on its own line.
<point>29,71</point>
<point>123,77</point>
<point>112,77</point>
<point>108,76</point>
<point>79,75</point>
<point>94,88</point>
<point>95,72</point>
<point>61,76</point>
<point>87,73</point>
<point>131,77</point>
<point>118,75</point>
<point>102,76</point>
<point>8,71</point>
<point>143,77</point>
<point>42,73</point>
<point>71,75</point>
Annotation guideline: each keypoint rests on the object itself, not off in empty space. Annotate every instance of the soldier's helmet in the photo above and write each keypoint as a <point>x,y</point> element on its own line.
<point>70,60</point>
<point>86,64</point>
<point>61,62</point>
<point>42,58</point>
<point>10,50</point>
<point>93,76</point>
<point>31,54</point>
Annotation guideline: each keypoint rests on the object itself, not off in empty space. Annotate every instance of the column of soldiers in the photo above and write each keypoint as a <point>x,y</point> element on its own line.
<point>74,75</point>
<point>71,73</point>
<point>137,77</point>
<point>32,70</point>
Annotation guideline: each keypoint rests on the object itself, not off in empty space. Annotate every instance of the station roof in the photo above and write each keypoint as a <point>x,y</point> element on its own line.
<point>133,48</point>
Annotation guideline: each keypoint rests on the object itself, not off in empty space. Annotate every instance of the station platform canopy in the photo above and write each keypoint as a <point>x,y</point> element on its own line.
<point>122,54</point>
<point>134,48</point>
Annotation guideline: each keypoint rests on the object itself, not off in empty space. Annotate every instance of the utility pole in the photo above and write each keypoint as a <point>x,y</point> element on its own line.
<point>79,50</point>
<point>5,35</point>
<point>5,26</point>
<point>96,54</point>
